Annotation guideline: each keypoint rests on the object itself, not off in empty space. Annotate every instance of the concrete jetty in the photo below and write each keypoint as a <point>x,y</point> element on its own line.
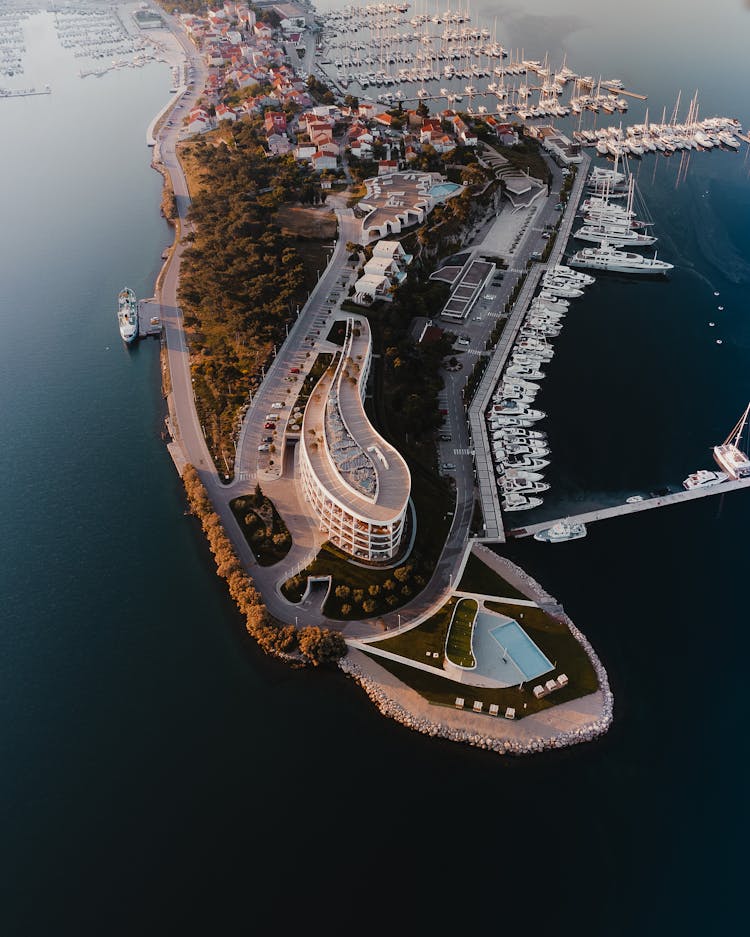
<point>618,510</point>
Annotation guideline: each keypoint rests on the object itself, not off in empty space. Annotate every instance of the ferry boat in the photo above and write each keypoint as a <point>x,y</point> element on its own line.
<point>562,530</point>
<point>608,258</point>
<point>127,315</point>
<point>704,478</point>
<point>728,456</point>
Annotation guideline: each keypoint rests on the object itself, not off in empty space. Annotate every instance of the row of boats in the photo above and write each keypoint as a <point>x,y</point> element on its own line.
<point>520,451</point>
<point>611,226</point>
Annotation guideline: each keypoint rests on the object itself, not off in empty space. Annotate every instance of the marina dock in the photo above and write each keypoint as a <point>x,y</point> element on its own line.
<point>618,510</point>
<point>149,318</point>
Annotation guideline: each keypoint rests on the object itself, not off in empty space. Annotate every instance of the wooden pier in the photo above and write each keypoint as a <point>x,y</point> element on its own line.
<point>618,510</point>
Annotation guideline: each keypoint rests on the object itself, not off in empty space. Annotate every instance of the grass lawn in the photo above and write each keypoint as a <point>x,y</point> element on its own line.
<point>478,577</point>
<point>458,647</point>
<point>551,636</point>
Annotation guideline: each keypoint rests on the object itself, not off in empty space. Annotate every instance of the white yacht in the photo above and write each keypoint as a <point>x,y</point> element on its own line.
<point>561,286</point>
<point>499,422</point>
<point>522,485</point>
<point>728,456</point>
<point>525,476</point>
<point>518,434</point>
<point>527,372</point>
<point>516,501</point>
<point>528,461</point>
<point>562,530</point>
<point>565,272</point>
<point>522,447</point>
<point>551,301</point>
<point>615,233</point>
<point>609,258</point>
<point>511,407</point>
<point>704,478</point>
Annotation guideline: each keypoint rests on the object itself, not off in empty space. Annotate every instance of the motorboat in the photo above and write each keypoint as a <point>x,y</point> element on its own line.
<point>508,406</point>
<point>529,462</point>
<point>519,474</point>
<point>498,422</point>
<point>563,270</point>
<point>516,501</point>
<point>561,286</point>
<point>514,432</point>
<point>552,300</point>
<point>522,485</point>
<point>704,478</point>
<point>560,531</point>
<point>525,371</point>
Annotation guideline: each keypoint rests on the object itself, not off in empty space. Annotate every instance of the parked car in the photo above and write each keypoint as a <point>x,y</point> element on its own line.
<point>448,467</point>
<point>294,370</point>
<point>263,447</point>
<point>445,437</point>
<point>269,425</point>
<point>277,405</point>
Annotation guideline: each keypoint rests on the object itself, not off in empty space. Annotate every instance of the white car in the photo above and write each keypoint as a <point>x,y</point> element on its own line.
<point>277,406</point>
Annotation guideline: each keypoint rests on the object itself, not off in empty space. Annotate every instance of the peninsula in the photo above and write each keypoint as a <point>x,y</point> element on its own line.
<point>359,466</point>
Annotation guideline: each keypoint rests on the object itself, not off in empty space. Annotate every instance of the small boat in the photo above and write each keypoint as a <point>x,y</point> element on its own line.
<point>127,315</point>
<point>704,478</point>
<point>728,456</point>
<point>562,530</point>
<point>634,499</point>
<point>515,501</point>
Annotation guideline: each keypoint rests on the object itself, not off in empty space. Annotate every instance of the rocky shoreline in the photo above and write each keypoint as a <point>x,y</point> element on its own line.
<point>558,727</point>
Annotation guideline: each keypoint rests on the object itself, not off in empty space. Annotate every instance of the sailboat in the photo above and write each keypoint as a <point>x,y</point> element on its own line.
<point>728,456</point>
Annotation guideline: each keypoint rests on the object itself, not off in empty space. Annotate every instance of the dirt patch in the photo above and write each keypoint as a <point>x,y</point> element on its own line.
<point>307,222</point>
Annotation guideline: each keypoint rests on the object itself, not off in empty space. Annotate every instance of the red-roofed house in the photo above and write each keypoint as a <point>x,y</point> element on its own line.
<point>225,113</point>
<point>274,122</point>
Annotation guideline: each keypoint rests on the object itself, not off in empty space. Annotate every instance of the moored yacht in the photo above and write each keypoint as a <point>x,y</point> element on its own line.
<point>616,234</point>
<point>704,478</point>
<point>609,258</point>
<point>561,286</point>
<point>516,501</point>
<point>561,531</point>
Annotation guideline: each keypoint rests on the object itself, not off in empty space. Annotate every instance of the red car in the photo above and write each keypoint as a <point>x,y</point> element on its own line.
<point>269,425</point>
<point>294,370</point>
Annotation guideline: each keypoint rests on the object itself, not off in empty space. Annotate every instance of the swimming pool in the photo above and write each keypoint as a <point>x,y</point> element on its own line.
<point>444,189</point>
<point>521,649</point>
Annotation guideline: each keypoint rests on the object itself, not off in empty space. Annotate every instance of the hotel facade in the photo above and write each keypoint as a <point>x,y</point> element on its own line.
<point>357,485</point>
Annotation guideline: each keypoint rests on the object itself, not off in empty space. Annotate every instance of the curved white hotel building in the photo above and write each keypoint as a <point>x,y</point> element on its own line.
<point>357,484</point>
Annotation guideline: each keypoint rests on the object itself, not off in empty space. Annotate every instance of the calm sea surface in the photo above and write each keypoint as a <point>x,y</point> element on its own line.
<point>160,776</point>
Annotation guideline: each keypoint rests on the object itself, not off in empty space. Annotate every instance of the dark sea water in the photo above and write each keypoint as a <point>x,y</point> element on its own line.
<point>158,775</point>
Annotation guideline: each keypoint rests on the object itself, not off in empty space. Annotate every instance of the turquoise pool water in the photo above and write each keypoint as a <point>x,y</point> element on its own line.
<point>524,653</point>
<point>443,189</point>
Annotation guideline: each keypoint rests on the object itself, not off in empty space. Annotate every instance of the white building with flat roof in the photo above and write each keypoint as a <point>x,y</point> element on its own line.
<point>356,483</point>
